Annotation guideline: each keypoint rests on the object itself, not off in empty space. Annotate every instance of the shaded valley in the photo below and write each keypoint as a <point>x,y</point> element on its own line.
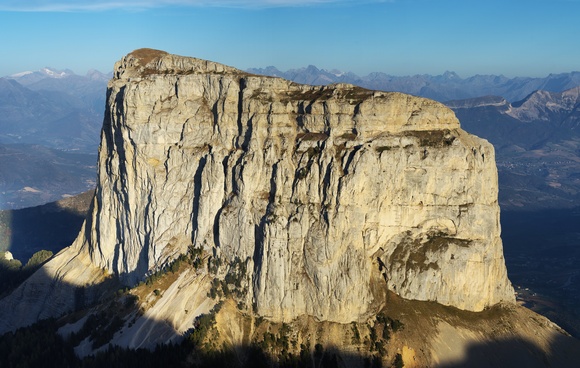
<point>542,251</point>
<point>31,175</point>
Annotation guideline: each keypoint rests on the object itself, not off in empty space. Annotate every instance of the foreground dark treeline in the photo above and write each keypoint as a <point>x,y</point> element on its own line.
<point>40,346</point>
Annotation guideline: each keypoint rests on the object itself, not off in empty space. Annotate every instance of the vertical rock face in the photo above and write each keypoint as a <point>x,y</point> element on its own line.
<point>323,193</point>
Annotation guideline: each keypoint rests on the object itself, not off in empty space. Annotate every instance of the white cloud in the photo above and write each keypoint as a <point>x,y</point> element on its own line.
<point>91,5</point>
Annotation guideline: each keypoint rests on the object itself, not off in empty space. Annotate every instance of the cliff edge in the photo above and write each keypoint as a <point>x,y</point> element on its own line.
<point>319,200</point>
<point>321,192</point>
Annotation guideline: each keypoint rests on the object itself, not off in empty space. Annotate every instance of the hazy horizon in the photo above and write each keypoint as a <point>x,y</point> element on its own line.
<point>329,70</point>
<point>396,37</point>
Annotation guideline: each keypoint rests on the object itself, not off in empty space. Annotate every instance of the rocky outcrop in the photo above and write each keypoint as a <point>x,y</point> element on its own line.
<point>315,189</point>
<point>317,198</point>
<point>558,108</point>
<point>8,256</point>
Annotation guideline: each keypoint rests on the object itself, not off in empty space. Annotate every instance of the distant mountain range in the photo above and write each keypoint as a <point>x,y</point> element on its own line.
<point>537,142</point>
<point>50,122</point>
<point>62,110</point>
<point>445,87</point>
<point>57,109</point>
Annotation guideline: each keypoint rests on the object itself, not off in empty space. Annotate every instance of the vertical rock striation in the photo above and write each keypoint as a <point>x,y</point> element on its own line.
<point>322,192</point>
<point>324,197</point>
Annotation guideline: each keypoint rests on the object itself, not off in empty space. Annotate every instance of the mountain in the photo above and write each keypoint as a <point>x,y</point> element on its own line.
<point>57,109</point>
<point>31,77</point>
<point>536,140</point>
<point>445,87</point>
<point>252,219</point>
<point>48,76</point>
<point>50,123</point>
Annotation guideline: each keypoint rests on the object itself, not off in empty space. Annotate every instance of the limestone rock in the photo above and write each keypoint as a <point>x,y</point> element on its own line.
<point>8,256</point>
<point>316,189</point>
<point>325,195</point>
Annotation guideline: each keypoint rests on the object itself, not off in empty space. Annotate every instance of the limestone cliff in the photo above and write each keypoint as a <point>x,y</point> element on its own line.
<point>316,189</point>
<point>325,197</point>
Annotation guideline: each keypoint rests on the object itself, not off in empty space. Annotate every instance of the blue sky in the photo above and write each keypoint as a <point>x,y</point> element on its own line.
<point>397,37</point>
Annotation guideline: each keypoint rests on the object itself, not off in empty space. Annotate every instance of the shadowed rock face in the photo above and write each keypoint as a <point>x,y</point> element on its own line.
<point>324,196</point>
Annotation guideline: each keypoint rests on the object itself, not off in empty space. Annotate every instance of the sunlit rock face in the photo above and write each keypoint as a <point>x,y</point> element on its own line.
<point>318,199</point>
<point>324,193</point>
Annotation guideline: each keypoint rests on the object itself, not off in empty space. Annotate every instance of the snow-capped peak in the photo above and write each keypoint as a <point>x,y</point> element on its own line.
<point>54,73</point>
<point>21,74</point>
<point>337,73</point>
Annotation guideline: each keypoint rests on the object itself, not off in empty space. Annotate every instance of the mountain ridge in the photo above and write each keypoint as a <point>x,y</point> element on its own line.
<point>63,113</point>
<point>444,87</point>
<point>536,142</point>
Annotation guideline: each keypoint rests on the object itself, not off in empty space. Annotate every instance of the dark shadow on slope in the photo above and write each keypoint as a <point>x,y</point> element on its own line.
<point>39,345</point>
<point>52,226</point>
<point>76,300</point>
<point>42,296</point>
<point>43,305</point>
<point>519,353</point>
<point>186,355</point>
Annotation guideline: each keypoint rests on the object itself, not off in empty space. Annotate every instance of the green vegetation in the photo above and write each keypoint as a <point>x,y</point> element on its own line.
<point>426,139</point>
<point>382,149</point>
<point>232,284</point>
<point>40,346</point>
<point>100,327</point>
<point>13,274</point>
<point>274,346</point>
<point>302,173</point>
<point>204,329</point>
<point>355,333</point>
<point>313,152</point>
<point>349,136</point>
<point>193,257</point>
<point>379,334</point>
<point>434,138</point>
<point>278,342</point>
<point>38,259</point>
<point>213,265</point>
<point>36,346</point>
